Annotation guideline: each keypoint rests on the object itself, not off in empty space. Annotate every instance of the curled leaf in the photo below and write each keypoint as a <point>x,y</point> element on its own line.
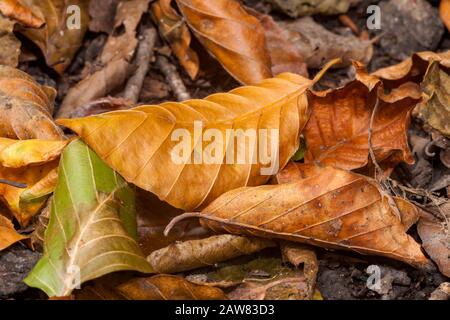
<point>194,254</point>
<point>175,31</point>
<point>234,37</point>
<point>166,287</point>
<point>91,227</point>
<point>326,207</point>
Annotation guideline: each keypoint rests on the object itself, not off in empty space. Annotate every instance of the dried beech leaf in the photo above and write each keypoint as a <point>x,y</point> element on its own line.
<point>143,142</point>
<point>337,133</point>
<point>32,162</point>
<point>317,45</point>
<point>283,54</point>
<point>234,37</point>
<point>114,60</point>
<point>60,38</point>
<point>167,287</point>
<point>435,236</point>
<point>8,235</point>
<point>331,208</point>
<point>15,10</point>
<point>412,69</point>
<point>91,227</point>
<point>435,109</point>
<point>175,31</point>
<point>9,56</point>
<point>26,107</point>
<point>193,254</point>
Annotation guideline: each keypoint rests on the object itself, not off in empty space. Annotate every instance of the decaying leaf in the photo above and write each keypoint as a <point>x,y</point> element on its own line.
<point>33,163</point>
<point>91,228</point>
<point>326,207</point>
<point>9,56</point>
<point>435,236</point>
<point>175,31</point>
<point>8,235</point>
<point>435,109</point>
<point>193,254</point>
<point>337,132</point>
<point>297,8</point>
<point>234,37</point>
<point>149,134</point>
<point>167,287</point>
<point>114,60</point>
<point>26,107</point>
<point>62,34</point>
<point>317,45</point>
<point>283,54</point>
<point>16,10</point>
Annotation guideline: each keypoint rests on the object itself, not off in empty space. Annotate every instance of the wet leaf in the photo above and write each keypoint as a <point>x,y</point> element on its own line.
<point>167,287</point>
<point>326,207</point>
<point>234,37</point>
<point>177,34</point>
<point>91,228</point>
<point>144,140</point>
<point>193,254</point>
<point>26,107</point>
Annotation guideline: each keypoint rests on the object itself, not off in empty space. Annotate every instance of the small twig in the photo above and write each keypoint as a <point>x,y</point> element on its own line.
<point>173,78</point>
<point>143,58</point>
<point>13,183</point>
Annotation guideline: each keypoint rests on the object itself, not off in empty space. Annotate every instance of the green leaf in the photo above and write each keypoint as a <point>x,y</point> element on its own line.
<point>300,154</point>
<point>92,227</point>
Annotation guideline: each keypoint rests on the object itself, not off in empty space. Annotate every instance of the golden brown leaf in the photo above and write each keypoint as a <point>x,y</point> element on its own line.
<point>15,10</point>
<point>175,31</point>
<point>26,107</point>
<point>235,38</point>
<point>337,134</point>
<point>193,254</point>
<point>33,163</point>
<point>139,143</point>
<point>8,235</point>
<point>61,35</point>
<point>167,287</point>
<point>329,207</point>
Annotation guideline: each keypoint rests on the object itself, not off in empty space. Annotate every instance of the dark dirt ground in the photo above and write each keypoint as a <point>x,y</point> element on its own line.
<point>341,275</point>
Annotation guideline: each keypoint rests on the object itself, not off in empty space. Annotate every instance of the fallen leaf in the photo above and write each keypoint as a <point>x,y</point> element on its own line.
<point>193,254</point>
<point>62,34</point>
<point>317,45</point>
<point>114,61</point>
<point>26,107</point>
<point>99,106</point>
<point>32,162</point>
<point>442,292</point>
<point>337,133</point>
<point>167,287</point>
<point>91,228</point>
<point>234,37</point>
<point>326,207</point>
<point>283,54</point>
<point>143,142</point>
<point>297,8</point>
<point>435,237</point>
<point>8,235</point>
<point>10,53</point>
<point>175,31</point>
<point>102,15</point>
<point>435,109</point>
<point>15,10</point>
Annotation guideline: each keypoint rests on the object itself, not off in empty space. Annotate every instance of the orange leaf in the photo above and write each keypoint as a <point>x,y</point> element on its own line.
<point>235,38</point>
<point>175,31</point>
<point>8,235</point>
<point>444,10</point>
<point>326,207</point>
<point>15,10</point>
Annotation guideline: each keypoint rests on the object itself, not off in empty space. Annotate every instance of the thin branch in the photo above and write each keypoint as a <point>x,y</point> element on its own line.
<point>173,78</point>
<point>13,183</point>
